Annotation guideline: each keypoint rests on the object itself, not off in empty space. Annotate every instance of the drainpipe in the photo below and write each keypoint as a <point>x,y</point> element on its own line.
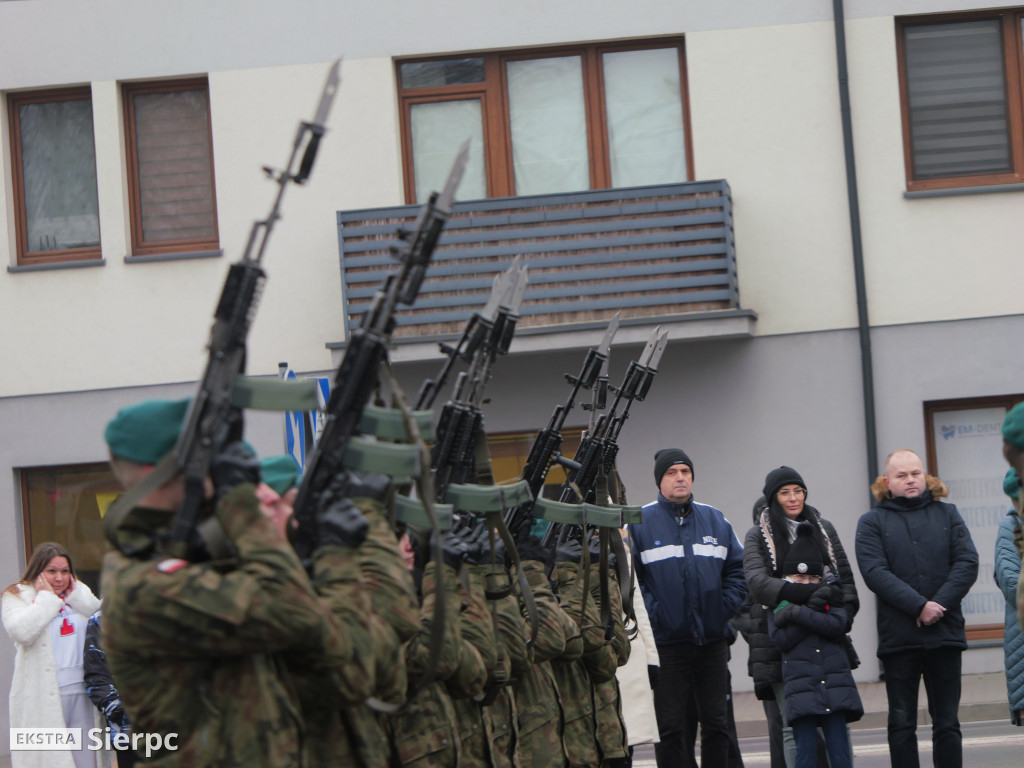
<point>863,326</point>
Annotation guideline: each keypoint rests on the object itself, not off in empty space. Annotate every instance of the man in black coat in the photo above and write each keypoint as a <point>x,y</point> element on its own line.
<point>915,553</point>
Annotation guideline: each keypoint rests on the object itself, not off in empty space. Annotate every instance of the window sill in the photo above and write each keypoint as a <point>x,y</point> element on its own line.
<point>953,191</point>
<point>57,265</point>
<point>173,256</point>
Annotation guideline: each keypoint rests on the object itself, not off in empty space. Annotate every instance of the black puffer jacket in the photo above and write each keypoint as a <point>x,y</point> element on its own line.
<point>764,662</point>
<point>816,670</point>
<point>911,551</point>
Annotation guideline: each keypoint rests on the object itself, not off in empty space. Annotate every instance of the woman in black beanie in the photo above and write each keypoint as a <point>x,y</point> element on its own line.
<point>764,553</point>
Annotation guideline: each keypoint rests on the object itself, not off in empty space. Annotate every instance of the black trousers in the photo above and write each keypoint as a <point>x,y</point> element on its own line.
<point>940,669</point>
<point>692,675</point>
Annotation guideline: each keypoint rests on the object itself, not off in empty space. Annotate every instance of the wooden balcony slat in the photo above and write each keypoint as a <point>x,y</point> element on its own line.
<point>482,280</point>
<point>643,251</point>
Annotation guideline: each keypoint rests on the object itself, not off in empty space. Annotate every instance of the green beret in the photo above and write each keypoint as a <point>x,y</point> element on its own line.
<point>1013,426</point>
<point>1011,483</point>
<point>146,432</point>
<point>280,472</point>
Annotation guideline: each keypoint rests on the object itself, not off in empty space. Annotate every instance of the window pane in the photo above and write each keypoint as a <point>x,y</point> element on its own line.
<point>66,505</point>
<point>644,106</point>
<point>59,166</point>
<point>438,130</point>
<point>957,99</point>
<point>175,166</point>
<point>424,74</point>
<point>549,129</point>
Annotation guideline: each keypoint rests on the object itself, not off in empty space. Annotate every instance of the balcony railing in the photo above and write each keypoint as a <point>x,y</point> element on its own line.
<point>648,252</point>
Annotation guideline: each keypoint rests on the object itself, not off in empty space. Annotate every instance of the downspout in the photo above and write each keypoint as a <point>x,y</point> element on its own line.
<point>863,326</point>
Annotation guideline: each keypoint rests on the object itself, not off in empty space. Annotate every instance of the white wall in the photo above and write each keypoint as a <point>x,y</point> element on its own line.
<point>153,40</point>
<point>765,116</point>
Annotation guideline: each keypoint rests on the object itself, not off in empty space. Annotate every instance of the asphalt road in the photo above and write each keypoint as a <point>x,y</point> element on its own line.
<point>995,744</point>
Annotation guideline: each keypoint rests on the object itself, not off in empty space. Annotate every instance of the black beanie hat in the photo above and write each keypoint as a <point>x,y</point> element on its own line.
<point>665,458</point>
<point>804,555</point>
<point>778,478</point>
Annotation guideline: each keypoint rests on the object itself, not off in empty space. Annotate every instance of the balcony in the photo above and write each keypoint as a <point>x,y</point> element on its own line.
<point>661,255</point>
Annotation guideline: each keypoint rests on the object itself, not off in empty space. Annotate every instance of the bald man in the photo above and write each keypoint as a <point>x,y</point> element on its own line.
<point>915,553</point>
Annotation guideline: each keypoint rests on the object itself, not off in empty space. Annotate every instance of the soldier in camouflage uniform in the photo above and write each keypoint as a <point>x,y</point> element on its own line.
<point>611,730</point>
<point>597,663</point>
<point>341,730</point>
<point>424,733</point>
<point>477,628</point>
<point>536,693</point>
<point>512,636</point>
<point>198,649</point>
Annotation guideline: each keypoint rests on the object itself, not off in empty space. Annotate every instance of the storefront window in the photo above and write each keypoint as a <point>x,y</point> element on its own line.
<point>66,505</point>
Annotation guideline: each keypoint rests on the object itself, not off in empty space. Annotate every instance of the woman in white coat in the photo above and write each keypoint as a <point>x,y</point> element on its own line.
<point>46,613</point>
<point>635,676</point>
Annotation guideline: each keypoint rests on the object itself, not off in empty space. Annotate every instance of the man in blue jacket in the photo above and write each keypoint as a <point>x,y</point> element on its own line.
<point>689,565</point>
<point>915,553</point>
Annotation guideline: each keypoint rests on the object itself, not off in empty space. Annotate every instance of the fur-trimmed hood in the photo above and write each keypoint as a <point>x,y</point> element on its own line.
<point>934,484</point>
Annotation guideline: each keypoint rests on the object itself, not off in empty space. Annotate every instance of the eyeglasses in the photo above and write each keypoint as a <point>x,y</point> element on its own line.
<point>795,492</point>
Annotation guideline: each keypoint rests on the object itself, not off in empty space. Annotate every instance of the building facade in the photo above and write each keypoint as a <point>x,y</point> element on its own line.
<point>133,142</point>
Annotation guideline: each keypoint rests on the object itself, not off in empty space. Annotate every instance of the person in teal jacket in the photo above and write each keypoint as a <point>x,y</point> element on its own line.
<point>1007,573</point>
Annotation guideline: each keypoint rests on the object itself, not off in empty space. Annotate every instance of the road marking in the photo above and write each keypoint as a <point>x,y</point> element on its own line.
<point>925,745</point>
<point>863,750</point>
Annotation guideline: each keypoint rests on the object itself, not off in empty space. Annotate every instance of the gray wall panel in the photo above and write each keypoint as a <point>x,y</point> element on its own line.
<point>738,407</point>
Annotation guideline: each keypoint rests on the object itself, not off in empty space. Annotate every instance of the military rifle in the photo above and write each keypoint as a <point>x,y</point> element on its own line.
<point>636,384</point>
<point>213,420</point>
<point>547,445</point>
<point>488,334</point>
<point>358,373</point>
<point>599,442</point>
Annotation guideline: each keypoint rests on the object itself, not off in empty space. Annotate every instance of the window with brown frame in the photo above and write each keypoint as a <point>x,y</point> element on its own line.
<point>547,120</point>
<point>66,504</point>
<point>510,450</point>
<point>53,154</point>
<point>961,94</point>
<point>170,167</point>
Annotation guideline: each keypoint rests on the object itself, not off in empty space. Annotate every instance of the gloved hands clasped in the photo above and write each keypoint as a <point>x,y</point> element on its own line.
<point>828,594</point>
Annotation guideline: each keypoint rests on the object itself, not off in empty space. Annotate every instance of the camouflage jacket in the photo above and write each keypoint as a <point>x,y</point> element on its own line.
<point>339,731</point>
<point>537,706</point>
<point>574,676</point>
<point>611,730</point>
<point>197,650</point>
<point>476,728</point>
<point>424,731</point>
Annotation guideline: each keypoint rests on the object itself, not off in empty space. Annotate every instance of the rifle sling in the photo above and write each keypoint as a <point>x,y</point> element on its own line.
<point>412,512</point>
<point>394,459</point>
<point>512,496</point>
<point>601,496</point>
<point>625,574</point>
<point>210,529</point>
<point>164,470</point>
<point>425,489</point>
<point>263,394</point>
